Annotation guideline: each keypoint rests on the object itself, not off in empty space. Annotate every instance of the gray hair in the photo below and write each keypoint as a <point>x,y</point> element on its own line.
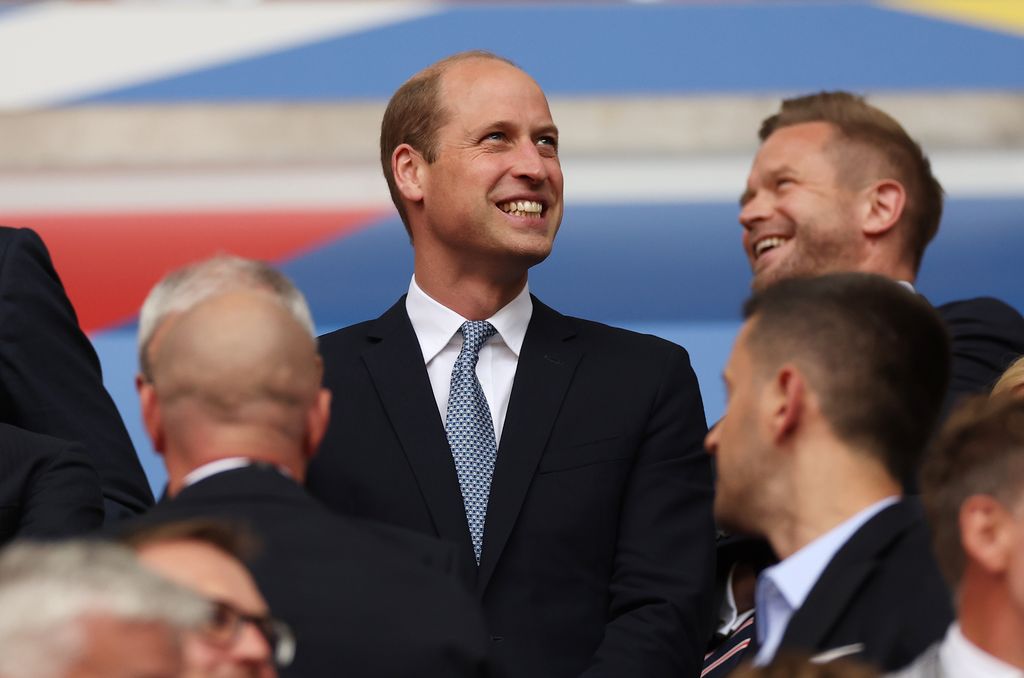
<point>186,287</point>
<point>47,589</point>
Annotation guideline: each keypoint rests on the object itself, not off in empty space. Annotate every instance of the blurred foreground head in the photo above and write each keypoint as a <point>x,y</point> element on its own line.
<point>973,489</point>
<point>89,610</point>
<point>241,639</point>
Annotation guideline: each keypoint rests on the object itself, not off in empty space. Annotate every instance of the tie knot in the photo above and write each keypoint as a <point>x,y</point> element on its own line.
<point>475,333</point>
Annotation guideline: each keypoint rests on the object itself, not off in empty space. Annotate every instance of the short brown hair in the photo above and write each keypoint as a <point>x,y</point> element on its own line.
<point>232,538</point>
<point>876,354</point>
<point>414,115</point>
<point>979,451</point>
<point>863,127</point>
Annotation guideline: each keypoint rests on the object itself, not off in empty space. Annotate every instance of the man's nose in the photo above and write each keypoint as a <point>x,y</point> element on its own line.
<point>756,208</point>
<point>252,646</point>
<point>711,440</point>
<point>529,163</point>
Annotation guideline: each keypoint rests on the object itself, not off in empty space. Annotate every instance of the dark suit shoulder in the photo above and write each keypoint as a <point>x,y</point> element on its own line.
<point>50,379</point>
<point>48,487</point>
<point>986,335</point>
<point>883,589</point>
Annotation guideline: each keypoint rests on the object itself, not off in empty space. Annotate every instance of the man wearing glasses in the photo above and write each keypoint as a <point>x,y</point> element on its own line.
<point>241,639</point>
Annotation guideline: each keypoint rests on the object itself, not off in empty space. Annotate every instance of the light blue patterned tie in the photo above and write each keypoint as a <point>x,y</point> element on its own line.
<point>471,431</point>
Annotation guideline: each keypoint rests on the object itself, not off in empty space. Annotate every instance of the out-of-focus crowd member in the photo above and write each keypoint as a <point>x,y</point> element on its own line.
<point>973,489</point>
<point>232,399</point>
<point>1011,383</point>
<point>834,386</point>
<point>838,185</point>
<point>560,455</point>
<point>799,665</point>
<point>241,639</point>
<point>81,609</point>
<point>50,383</point>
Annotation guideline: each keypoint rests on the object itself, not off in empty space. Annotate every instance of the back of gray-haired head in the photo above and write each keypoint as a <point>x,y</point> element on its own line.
<point>48,589</point>
<point>185,287</point>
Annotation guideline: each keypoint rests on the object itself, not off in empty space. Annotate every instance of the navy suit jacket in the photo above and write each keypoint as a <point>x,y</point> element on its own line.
<point>48,487</point>
<point>987,335</point>
<point>364,600</point>
<point>882,589</point>
<point>50,379</point>
<point>598,545</point>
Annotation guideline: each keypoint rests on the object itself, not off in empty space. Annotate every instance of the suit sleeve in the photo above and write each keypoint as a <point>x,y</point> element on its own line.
<point>50,380</point>
<point>661,586</point>
<point>63,499</point>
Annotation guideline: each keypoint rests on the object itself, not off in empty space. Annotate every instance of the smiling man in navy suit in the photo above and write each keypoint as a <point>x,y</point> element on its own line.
<point>563,457</point>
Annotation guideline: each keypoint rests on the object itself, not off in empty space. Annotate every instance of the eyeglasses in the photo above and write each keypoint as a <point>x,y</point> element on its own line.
<point>225,626</point>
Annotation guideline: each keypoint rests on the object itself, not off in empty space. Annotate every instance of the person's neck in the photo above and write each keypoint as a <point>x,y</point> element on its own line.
<point>473,295</point>
<point>989,619</point>
<point>824,493</point>
<point>180,465</point>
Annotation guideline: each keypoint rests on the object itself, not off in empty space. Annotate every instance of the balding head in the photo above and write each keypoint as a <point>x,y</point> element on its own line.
<point>236,375</point>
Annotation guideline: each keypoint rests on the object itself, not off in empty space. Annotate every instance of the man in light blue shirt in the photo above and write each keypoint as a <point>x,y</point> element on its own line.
<point>834,385</point>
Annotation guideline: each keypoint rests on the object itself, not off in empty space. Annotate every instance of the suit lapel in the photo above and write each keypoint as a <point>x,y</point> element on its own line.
<point>546,365</point>
<point>843,577</point>
<point>395,363</point>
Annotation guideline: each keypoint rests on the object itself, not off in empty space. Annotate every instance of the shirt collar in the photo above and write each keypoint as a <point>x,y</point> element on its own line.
<point>795,576</point>
<point>436,324</point>
<point>213,468</point>
<point>962,658</point>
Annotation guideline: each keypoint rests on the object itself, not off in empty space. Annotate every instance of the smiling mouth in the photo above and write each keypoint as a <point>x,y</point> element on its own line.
<point>768,244</point>
<point>522,208</point>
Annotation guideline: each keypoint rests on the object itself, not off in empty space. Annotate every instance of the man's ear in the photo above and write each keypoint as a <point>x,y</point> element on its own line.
<point>986,532</point>
<point>407,166</point>
<point>787,400</point>
<point>318,416</point>
<point>152,415</point>
<point>883,206</point>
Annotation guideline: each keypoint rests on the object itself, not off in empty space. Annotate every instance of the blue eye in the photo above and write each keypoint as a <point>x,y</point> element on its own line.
<point>495,136</point>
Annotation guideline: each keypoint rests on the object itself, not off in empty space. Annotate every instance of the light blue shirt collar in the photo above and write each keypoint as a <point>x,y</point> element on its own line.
<point>782,589</point>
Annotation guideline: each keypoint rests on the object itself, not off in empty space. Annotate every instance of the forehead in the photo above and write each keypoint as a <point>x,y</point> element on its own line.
<point>802,144</point>
<point>206,570</point>
<point>481,91</point>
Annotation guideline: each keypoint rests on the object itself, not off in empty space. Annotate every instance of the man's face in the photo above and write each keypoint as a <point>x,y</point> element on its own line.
<point>798,218</point>
<point>217,577</point>
<point>119,649</point>
<point>736,440</point>
<point>493,195</point>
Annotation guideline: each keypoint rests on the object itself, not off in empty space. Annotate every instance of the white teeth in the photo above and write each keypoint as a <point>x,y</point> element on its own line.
<point>766,244</point>
<point>522,208</point>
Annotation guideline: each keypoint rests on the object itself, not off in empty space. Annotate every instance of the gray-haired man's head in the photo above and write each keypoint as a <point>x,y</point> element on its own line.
<point>89,609</point>
<point>186,287</point>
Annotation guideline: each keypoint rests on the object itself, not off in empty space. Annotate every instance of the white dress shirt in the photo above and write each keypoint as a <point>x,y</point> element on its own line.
<point>963,659</point>
<point>729,616</point>
<point>437,330</point>
<point>782,588</point>
<point>213,468</point>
